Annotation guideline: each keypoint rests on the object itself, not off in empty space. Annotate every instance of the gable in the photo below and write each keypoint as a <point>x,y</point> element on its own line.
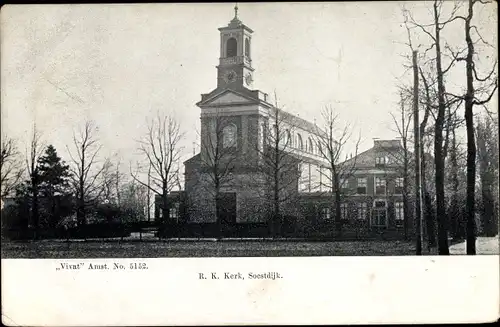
<point>227,97</point>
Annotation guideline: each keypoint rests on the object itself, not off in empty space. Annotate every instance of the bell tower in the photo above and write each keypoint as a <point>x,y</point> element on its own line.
<point>235,61</point>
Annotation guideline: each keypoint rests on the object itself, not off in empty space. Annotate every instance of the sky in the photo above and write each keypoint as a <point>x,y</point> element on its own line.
<point>119,65</point>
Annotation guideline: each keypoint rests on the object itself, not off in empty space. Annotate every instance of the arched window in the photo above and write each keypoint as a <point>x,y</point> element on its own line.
<point>311,146</point>
<point>229,136</point>
<point>231,47</point>
<point>288,138</point>
<point>300,145</point>
<point>247,48</point>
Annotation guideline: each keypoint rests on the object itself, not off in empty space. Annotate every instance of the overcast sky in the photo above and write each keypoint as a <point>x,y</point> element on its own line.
<point>119,64</point>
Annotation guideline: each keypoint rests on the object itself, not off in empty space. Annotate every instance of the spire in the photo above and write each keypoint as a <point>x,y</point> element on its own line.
<point>235,21</point>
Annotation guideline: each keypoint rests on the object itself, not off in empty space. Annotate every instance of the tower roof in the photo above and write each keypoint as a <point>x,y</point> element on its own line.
<point>236,22</point>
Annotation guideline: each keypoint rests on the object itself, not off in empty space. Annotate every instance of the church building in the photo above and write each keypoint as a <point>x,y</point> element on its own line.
<point>236,172</point>
<point>237,122</point>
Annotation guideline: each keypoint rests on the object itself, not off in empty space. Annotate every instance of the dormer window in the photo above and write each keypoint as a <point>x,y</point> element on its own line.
<point>380,160</point>
<point>231,47</point>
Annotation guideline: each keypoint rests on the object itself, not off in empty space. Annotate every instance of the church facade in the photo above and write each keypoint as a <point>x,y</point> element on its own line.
<point>247,145</point>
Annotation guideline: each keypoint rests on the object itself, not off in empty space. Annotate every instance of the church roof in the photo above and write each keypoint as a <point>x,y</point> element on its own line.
<point>299,122</point>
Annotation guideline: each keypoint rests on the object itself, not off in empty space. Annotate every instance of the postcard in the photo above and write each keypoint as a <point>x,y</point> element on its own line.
<point>249,163</point>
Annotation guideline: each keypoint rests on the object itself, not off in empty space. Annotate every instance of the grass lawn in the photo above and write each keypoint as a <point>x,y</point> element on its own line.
<point>484,245</point>
<point>159,249</point>
<point>207,248</point>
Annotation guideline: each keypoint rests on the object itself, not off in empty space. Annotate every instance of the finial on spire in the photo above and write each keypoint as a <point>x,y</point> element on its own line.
<point>236,10</point>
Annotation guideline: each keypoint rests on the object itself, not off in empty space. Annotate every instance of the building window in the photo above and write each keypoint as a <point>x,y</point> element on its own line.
<point>380,160</point>
<point>289,138</point>
<point>325,213</point>
<point>231,47</point>
<point>320,149</point>
<point>379,214</point>
<point>362,181</point>
<point>229,136</point>
<point>344,214</point>
<point>174,211</point>
<point>362,210</point>
<point>300,145</point>
<point>343,184</point>
<point>247,48</point>
<point>311,146</point>
<point>380,186</point>
<point>399,213</point>
<point>398,188</point>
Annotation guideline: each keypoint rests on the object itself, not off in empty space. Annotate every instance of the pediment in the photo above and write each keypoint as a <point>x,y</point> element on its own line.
<point>228,97</point>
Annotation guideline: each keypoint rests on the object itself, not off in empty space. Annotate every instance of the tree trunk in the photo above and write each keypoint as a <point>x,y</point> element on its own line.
<point>428,215</point>
<point>218,214</point>
<point>165,211</point>
<point>455,215</point>
<point>149,194</point>
<point>428,212</point>
<point>418,214</point>
<point>438,146</point>
<point>338,213</point>
<point>471,142</point>
<point>277,213</point>
<point>276,193</point>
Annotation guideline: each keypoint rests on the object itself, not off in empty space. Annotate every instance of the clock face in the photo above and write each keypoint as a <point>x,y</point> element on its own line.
<point>248,79</point>
<point>230,76</point>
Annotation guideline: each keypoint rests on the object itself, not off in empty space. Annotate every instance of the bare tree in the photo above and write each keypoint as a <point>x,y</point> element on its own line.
<point>160,147</point>
<point>471,98</point>
<point>87,180</point>
<point>278,166</point>
<point>219,145</point>
<point>332,142</point>
<point>433,31</point>
<point>428,83</point>
<point>10,166</point>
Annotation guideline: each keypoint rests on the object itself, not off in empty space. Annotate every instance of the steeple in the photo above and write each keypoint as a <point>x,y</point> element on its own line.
<point>235,22</point>
<point>235,63</point>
